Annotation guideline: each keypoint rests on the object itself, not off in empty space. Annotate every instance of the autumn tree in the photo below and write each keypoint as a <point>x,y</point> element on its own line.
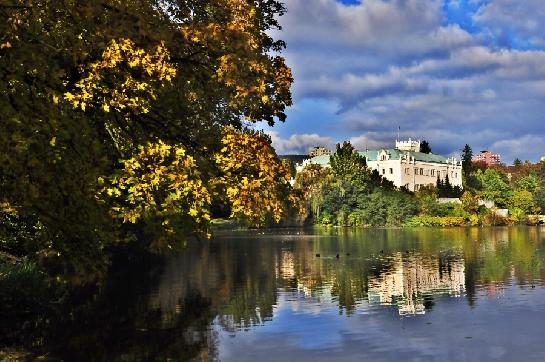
<point>253,179</point>
<point>87,84</point>
<point>312,180</point>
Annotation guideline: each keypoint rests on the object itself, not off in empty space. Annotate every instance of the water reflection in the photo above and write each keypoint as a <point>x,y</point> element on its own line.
<point>270,292</point>
<point>412,280</point>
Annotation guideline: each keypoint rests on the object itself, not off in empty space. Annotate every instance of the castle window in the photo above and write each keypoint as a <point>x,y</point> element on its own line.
<point>391,171</point>
<point>384,171</point>
<point>421,171</point>
<point>433,172</point>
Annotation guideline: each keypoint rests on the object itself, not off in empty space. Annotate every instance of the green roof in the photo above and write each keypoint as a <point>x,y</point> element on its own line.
<point>320,160</point>
<point>395,154</point>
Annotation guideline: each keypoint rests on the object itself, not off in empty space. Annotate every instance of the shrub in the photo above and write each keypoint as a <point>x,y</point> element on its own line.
<point>435,221</point>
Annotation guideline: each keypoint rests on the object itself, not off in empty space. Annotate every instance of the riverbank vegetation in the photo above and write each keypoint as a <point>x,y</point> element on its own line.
<point>350,194</point>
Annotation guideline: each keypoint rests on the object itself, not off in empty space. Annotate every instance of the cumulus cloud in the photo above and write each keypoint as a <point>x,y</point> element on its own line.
<point>523,147</point>
<point>390,63</point>
<point>514,19</point>
<point>298,143</point>
<point>371,141</point>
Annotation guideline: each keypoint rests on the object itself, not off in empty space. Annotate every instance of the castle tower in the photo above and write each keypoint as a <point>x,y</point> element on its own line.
<point>410,145</point>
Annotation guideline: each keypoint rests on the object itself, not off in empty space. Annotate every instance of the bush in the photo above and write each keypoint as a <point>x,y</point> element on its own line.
<point>22,286</point>
<point>435,221</point>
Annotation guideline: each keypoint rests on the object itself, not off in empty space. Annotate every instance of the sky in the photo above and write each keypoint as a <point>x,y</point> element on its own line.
<point>448,71</point>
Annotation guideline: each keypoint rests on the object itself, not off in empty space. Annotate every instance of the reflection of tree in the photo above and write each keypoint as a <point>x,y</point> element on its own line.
<point>235,282</point>
<point>121,325</point>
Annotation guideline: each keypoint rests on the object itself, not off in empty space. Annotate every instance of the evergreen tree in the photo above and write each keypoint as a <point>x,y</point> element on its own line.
<point>517,162</point>
<point>425,147</point>
<point>439,185</point>
<point>467,156</point>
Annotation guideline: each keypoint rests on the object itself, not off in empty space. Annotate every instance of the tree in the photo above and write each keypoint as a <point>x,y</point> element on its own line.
<point>102,81</point>
<point>494,186</point>
<point>467,156</point>
<point>470,202</point>
<point>425,147</point>
<point>539,196</point>
<point>517,162</point>
<point>522,201</point>
<point>528,183</point>
<point>346,163</point>
<point>312,180</point>
<point>252,178</point>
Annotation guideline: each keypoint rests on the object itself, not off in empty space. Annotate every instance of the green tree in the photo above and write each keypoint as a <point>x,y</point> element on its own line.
<point>467,156</point>
<point>494,186</point>
<point>425,147</point>
<point>347,163</point>
<point>528,183</point>
<point>524,201</point>
<point>517,162</point>
<point>540,192</point>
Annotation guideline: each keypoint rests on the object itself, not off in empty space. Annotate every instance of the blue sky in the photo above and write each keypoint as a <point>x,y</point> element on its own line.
<point>448,71</point>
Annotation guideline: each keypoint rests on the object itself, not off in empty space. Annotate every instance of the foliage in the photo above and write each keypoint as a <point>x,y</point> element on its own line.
<point>87,84</point>
<point>425,147</point>
<point>523,202</point>
<point>446,189</point>
<point>528,183</point>
<point>161,186</point>
<point>492,218</point>
<point>311,180</point>
<point>467,157</point>
<point>494,186</point>
<point>470,202</point>
<point>346,162</point>
<point>109,85</point>
<point>254,180</point>
<point>437,221</point>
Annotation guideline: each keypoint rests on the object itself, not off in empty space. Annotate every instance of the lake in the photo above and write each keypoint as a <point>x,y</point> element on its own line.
<point>327,294</point>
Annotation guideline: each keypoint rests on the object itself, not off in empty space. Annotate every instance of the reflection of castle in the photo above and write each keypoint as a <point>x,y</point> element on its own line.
<point>413,277</point>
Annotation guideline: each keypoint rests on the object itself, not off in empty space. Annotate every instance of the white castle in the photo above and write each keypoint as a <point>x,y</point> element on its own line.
<point>405,165</point>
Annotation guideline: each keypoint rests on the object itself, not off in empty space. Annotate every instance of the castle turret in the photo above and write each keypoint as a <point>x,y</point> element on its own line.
<point>410,145</point>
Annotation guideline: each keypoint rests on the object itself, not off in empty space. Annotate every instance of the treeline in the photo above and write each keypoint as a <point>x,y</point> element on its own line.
<point>351,194</point>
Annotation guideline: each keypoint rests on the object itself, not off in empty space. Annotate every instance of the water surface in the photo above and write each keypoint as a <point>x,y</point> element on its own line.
<point>337,294</point>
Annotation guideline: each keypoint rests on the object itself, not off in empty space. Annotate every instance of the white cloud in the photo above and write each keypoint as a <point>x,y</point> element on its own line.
<point>370,141</point>
<point>298,143</point>
<point>521,147</point>
<point>390,63</point>
<point>514,18</point>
